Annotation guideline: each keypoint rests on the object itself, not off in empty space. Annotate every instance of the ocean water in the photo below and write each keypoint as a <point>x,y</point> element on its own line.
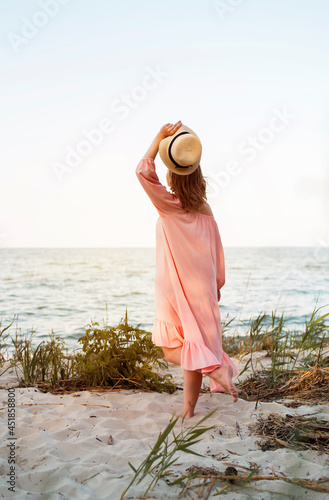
<point>63,289</point>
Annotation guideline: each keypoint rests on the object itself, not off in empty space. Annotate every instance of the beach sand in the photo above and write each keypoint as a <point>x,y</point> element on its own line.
<point>78,445</point>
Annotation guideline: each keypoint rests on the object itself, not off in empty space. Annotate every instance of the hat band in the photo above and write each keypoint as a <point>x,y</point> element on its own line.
<point>171,156</point>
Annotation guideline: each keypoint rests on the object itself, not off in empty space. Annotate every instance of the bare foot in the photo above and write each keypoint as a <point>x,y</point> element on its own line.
<point>223,375</point>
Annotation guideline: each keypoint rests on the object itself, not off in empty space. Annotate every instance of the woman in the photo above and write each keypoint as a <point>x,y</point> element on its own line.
<point>189,265</point>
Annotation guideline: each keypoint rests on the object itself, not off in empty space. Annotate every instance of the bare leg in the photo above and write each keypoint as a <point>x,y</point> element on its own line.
<point>172,354</point>
<point>191,391</point>
<point>192,381</point>
<point>223,375</point>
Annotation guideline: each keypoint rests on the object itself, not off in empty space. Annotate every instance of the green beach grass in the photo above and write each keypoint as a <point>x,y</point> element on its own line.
<point>124,356</point>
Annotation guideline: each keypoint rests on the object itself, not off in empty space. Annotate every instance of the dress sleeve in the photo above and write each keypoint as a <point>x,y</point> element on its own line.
<point>163,201</point>
<point>220,262</point>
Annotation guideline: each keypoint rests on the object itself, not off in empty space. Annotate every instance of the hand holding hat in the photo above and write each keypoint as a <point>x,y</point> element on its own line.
<point>165,131</point>
<point>180,149</point>
<point>169,129</point>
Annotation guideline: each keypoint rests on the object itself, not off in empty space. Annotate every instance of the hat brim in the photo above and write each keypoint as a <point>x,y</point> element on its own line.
<point>164,153</point>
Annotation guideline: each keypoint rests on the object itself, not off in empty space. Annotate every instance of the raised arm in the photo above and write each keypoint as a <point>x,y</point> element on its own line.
<point>165,131</point>
<point>163,201</point>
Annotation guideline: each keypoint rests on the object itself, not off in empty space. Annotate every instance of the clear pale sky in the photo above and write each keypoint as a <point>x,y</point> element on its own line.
<point>101,77</point>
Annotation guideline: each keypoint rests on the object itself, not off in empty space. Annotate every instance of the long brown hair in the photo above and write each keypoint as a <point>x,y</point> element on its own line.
<point>190,189</point>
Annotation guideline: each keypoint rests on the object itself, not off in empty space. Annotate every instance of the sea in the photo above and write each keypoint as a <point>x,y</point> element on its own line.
<point>63,290</point>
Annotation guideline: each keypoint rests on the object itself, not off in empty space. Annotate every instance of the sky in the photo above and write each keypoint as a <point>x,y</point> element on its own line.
<point>86,84</point>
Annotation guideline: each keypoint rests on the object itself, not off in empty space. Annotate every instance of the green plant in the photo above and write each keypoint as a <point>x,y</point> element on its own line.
<point>163,454</point>
<point>46,363</point>
<point>314,338</point>
<point>3,343</point>
<point>124,355</point>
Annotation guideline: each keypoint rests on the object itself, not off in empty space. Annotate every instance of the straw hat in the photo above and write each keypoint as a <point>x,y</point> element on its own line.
<point>181,152</point>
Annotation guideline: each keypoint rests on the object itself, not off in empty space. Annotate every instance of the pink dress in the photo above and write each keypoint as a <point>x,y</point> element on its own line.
<point>189,270</point>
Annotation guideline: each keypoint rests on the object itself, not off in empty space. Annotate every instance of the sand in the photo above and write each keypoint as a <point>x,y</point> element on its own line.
<point>78,445</point>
